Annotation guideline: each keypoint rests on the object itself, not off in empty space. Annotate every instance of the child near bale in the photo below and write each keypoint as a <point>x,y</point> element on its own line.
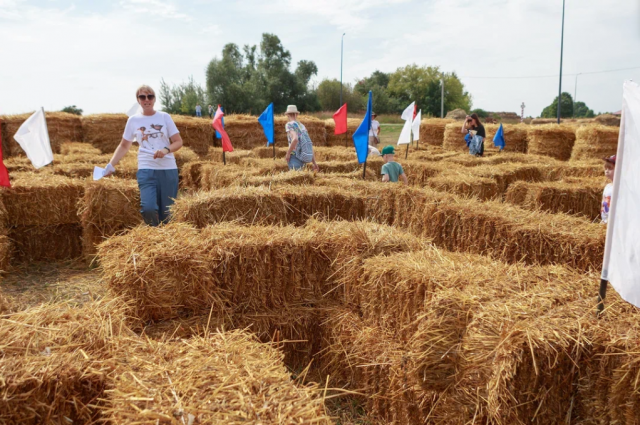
<point>391,170</point>
<point>609,168</point>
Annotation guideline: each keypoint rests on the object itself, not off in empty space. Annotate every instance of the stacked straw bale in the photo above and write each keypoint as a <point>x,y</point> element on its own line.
<point>179,268</point>
<point>453,138</point>
<point>55,361</point>
<point>515,136</point>
<point>196,133</point>
<point>104,131</point>
<point>42,216</point>
<point>108,207</point>
<point>579,197</point>
<point>335,153</point>
<point>267,152</point>
<point>246,132</point>
<point>151,374</point>
<point>576,169</point>
<point>432,131</point>
<point>466,185</point>
<point>552,140</point>
<point>507,173</point>
<point>339,140</point>
<point>595,142</point>
<point>63,127</point>
<point>608,119</point>
<point>71,148</point>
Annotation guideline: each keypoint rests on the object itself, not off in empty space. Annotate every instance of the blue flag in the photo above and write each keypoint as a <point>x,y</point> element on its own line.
<point>361,135</point>
<point>218,135</point>
<point>498,139</point>
<point>266,120</point>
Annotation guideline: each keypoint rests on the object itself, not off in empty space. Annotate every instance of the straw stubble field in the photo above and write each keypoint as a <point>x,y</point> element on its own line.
<point>299,297</point>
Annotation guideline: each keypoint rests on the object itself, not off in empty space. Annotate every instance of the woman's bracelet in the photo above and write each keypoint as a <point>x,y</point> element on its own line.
<point>168,150</point>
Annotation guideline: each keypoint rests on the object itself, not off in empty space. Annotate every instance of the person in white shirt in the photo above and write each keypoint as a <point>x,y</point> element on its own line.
<point>607,193</point>
<point>158,138</point>
<point>374,131</point>
<point>198,110</point>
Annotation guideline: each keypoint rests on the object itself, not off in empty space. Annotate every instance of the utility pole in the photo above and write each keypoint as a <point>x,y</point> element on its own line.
<point>575,97</point>
<point>522,112</point>
<point>442,97</point>
<point>561,52</point>
<point>341,56</point>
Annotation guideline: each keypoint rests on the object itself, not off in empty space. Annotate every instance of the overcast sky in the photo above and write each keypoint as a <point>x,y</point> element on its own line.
<point>95,53</point>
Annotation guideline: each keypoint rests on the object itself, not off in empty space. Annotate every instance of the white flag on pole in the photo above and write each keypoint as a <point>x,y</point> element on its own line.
<point>134,109</point>
<point>407,116</point>
<point>621,265</point>
<point>416,126</point>
<point>33,138</point>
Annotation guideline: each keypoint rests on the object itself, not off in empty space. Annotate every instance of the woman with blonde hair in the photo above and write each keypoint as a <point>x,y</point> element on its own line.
<point>158,138</point>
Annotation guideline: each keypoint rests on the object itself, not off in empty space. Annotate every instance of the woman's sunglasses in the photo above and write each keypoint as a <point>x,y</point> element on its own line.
<point>145,97</point>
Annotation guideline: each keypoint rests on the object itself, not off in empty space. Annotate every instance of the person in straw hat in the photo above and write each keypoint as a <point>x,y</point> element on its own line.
<point>374,131</point>
<point>158,138</point>
<point>300,150</point>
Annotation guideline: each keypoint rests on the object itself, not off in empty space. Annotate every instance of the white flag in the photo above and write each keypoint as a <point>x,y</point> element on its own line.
<point>407,116</point>
<point>416,126</point>
<point>134,109</point>
<point>33,138</point>
<point>621,266</point>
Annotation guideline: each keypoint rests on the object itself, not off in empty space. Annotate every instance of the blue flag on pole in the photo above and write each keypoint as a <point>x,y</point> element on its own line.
<point>361,135</point>
<point>266,120</point>
<point>498,139</point>
<point>218,135</point>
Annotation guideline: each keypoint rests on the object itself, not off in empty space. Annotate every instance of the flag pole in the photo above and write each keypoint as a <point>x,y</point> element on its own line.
<point>274,149</point>
<point>273,128</point>
<point>406,153</point>
<point>224,158</point>
<point>46,127</point>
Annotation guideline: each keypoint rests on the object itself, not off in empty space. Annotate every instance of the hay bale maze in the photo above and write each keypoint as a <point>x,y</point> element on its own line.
<point>595,142</point>
<point>467,296</point>
<point>63,127</point>
<point>552,140</point>
<point>432,131</point>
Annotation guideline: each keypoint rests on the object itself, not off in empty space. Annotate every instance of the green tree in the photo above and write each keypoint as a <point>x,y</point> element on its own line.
<point>247,81</point>
<point>566,107</point>
<point>581,110</point>
<point>73,109</point>
<point>481,113</point>
<point>182,98</point>
<point>328,93</point>
<point>422,85</point>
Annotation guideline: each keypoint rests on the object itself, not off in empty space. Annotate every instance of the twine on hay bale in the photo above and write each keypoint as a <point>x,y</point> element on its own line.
<point>63,127</point>
<point>200,370</point>
<point>579,197</point>
<point>552,140</point>
<point>432,131</point>
<point>595,142</point>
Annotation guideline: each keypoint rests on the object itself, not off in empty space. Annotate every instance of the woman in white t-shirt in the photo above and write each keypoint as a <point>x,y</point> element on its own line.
<point>374,131</point>
<point>158,138</point>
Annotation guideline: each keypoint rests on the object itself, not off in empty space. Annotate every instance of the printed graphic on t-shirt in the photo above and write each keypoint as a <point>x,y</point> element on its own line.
<point>152,138</point>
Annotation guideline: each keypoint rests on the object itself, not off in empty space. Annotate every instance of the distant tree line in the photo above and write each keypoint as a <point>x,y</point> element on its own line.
<point>568,108</point>
<point>246,80</point>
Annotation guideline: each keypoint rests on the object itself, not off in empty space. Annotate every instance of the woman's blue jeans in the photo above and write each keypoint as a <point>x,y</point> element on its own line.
<point>158,189</point>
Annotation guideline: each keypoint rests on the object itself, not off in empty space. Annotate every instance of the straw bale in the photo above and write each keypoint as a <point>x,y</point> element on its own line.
<point>216,176</point>
<point>412,205</point>
<point>71,148</point>
<point>512,234</point>
<point>419,172</point>
<point>246,132</point>
<point>453,138</point>
<point>267,152</point>
<point>177,267</point>
<point>104,131</point>
<point>41,199</point>
<point>63,127</point>
<point>544,121</point>
<point>552,140</point>
<point>5,255</point>
<point>457,114</point>
<point>608,119</point>
<point>595,142</point>
<point>191,174</point>
<point>264,166</point>
<point>578,168</point>
<point>288,178</point>
<point>151,374</point>
<point>109,206</point>
<point>339,139</point>
<point>581,197</point>
<point>336,153</point>
<point>49,242</point>
<point>185,155</point>
<point>515,136</point>
<point>315,127</point>
<point>369,360</point>
<point>432,131</point>
<point>196,133</point>
<point>466,185</point>
<point>508,173</point>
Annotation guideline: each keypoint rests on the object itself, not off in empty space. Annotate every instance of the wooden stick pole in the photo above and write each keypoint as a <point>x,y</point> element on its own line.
<point>224,158</point>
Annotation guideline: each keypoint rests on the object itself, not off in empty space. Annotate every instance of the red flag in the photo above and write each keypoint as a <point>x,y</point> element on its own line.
<point>415,111</point>
<point>4,173</point>
<point>340,118</point>
<point>217,124</point>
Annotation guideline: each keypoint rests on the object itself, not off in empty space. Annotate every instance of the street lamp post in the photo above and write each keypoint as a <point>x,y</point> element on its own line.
<point>575,96</point>
<point>442,97</point>
<point>341,56</point>
<point>522,112</point>
<point>561,51</point>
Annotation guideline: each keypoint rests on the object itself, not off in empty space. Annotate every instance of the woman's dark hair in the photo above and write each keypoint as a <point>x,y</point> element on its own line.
<point>475,117</point>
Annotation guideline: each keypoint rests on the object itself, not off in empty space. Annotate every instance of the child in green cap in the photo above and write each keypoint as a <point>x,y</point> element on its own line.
<point>391,170</point>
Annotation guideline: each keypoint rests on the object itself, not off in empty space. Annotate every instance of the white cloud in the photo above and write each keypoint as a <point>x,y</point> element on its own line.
<point>156,8</point>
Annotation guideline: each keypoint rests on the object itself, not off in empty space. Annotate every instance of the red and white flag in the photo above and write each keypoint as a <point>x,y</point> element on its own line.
<point>219,127</point>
